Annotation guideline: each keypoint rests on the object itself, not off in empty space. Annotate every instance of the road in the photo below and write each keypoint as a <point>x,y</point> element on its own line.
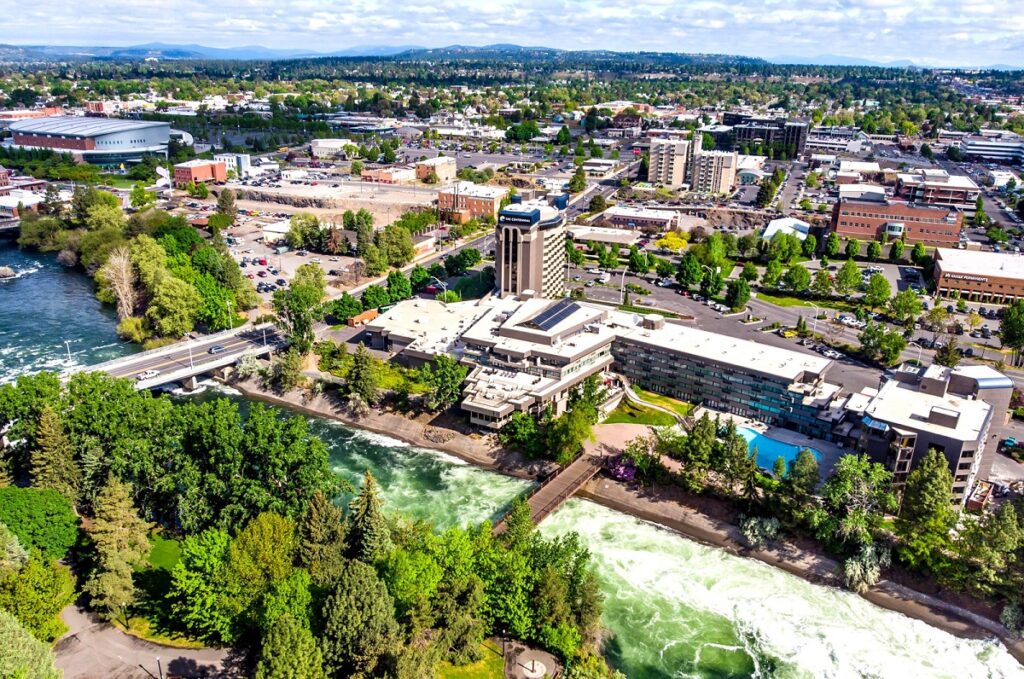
<point>196,352</point>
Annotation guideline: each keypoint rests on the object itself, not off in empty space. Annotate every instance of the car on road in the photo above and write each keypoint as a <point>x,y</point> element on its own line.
<point>216,349</point>
<point>147,375</point>
<point>589,284</point>
<point>261,274</point>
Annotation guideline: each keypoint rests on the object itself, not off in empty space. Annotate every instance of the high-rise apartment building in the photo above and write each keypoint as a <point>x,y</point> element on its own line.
<point>530,250</point>
<point>714,171</point>
<point>671,161</point>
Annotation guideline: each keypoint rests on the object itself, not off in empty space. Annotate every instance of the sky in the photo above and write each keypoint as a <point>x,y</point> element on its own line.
<point>928,32</point>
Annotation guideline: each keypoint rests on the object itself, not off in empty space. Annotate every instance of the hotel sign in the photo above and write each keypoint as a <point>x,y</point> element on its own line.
<point>967,277</point>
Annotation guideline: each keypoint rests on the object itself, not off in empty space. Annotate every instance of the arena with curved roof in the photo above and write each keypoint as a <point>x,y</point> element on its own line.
<point>103,141</point>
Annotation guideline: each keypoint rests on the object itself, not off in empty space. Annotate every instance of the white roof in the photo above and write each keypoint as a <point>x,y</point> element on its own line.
<point>600,234</point>
<point>751,162</point>
<point>981,263</point>
<point>639,212</point>
<point>437,160</point>
<point>905,407</point>
<point>791,225</point>
<point>476,190</point>
<point>81,126</point>
<point>870,191</point>
<point>858,166</point>
<point>198,162</point>
<point>937,178</point>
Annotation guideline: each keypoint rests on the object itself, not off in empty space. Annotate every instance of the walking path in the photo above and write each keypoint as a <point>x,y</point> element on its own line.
<point>93,649</point>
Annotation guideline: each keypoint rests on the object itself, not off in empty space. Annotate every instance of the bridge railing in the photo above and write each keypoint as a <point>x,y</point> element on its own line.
<point>169,348</point>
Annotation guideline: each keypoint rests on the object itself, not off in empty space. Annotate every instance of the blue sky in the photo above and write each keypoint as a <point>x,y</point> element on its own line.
<point>929,32</point>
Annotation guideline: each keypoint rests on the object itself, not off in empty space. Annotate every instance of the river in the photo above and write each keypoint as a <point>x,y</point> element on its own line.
<point>675,608</point>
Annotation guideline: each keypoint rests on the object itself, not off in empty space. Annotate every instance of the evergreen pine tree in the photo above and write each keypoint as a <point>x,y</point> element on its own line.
<point>322,540</point>
<point>518,523</point>
<point>122,545</point>
<point>290,652</point>
<point>926,515</point>
<point>53,460</point>
<point>369,536</point>
<point>362,376</point>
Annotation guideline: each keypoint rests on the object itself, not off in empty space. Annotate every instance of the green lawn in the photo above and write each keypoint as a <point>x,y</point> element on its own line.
<point>681,407</point>
<point>491,666</point>
<point>117,181</point>
<point>779,299</point>
<point>166,552</point>
<point>629,413</point>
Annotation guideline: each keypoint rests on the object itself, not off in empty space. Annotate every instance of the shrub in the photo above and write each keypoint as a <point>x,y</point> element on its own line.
<point>40,518</point>
<point>759,530</point>
<point>864,569</point>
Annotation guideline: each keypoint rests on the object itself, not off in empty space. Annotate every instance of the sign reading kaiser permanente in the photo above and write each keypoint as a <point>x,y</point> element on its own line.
<point>965,277</point>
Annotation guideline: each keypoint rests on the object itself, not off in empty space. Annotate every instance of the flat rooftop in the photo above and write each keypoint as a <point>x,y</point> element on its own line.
<point>904,407</point>
<point>81,126</point>
<point>859,166</point>
<point>475,190</point>
<point>623,237</point>
<point>980,263</point>
<point>638,212</point>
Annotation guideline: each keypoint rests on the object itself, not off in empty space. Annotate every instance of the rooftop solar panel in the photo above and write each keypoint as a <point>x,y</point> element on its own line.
<point>553,315</point>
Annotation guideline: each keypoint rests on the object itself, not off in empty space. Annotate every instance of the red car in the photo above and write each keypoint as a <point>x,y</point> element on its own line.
<point>261,274</point>
<point>431,289</point>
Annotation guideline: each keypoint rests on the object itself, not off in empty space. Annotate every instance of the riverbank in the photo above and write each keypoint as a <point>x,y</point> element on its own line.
<point>704,520</point>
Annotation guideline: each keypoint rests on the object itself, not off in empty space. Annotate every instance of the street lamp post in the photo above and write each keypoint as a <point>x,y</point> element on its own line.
<point>622,286</point>
<point>919,349</point>
<point>67,345</point>
<point>814,326</point>
<point>188,342</point>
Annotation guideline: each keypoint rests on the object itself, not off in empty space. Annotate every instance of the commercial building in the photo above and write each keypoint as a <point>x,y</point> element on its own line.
<point>199,171</point>
<point>671,161</point>
<point>599,167</point>
<point>11,116</point>
<point>644,219</point>
<point>463,201</point>
<point>329,148</point>
<point>444,169</point>
<point>979,276</point>
<point>1000,178</point>
<point>953,411</point>
<point>937,187</point>
<point>880,220</point>
<point>784,137</point>
<point>237,164</point>
<point>617,238</point>
<point>530,249</point>
<point>995,145</point>
<point>102,141</point>
<point>788,225</point>
<point>389,175</point>
<point>14,204</point>
<point>714,172</point>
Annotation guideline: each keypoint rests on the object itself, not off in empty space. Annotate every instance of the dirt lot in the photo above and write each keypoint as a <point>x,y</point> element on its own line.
<point>328,202</point>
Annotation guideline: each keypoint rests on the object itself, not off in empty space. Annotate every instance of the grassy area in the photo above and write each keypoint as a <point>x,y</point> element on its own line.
<point>117,181</point>
<point>166,552</point>
<point>390,377</point>
<point>491,666</point>
<point>681,407</point>
<point>473,285</point>
<point>630,413</point>
<point>779,299</point>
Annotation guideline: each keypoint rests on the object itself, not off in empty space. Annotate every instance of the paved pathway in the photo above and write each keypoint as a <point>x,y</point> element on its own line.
<point>93,649</point>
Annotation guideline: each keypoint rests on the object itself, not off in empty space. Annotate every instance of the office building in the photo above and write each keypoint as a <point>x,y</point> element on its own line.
<point>530,250</point>
<point>954,411</point>
<point>329,148</point>
<point>671,161</point>
<point>443,168</point>
<point>599,167</point>
<point>979,276</point>
<point>714,172</point>
<point>463,201</point>
<point>937,187</point>
<point>994,145</point>
<point>784,137</point>
<point>644,219</point>
<point>238,165</point>
<point>892,220</point>
<point>102,141</point>
<point>199,171</point>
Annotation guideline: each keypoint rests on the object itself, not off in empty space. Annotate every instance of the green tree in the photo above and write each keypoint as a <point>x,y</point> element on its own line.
<point>419,278</point>
<point>772,274</point>
<point>855,500</point>
<point>121,547</point>
<point>578,182</point>
<point>375,296</point>
<point>226,204</point>
<point>905,305</point>
<point>398,286</point>
<point>12,555</point>
<point>289,651</point>
<point>24,656</point>
<point>173,308</point>
<point>848,278</point>
<point>690,271</point>
<point>821,285</point>
<point>53,460</point>
<point>298,308</point>
<point>41,519</point>
<point>311,275</point>
<point>345,307</point>
<point>878,291</point>
<point>874,250</point>
<point>198,589</point>
<point>359,628</point>
<point>638,261</point>
<point>1011,330</point>
<point>36,594</point>
<point>322,543</point>
<point>749,272</point>
<point>737,294</point>
<point>948,354</point>
<point>810,245</point>
<point>260,557</point>
<point>852,248</point>
<point>918,253</point>
<point>140,198</point>
<point>797,278</point>
<point>444,376</point>
<point>362,376</point>
<point>926,515</point>
<point>369,537</point>
<point>832,245</point>
<point>896,250</point>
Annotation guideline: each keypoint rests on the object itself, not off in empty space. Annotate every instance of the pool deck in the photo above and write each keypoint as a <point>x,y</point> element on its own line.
<point>830,452</point>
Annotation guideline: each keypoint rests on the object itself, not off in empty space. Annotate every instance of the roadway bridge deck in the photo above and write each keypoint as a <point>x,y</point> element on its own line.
<point>192,357</point>
<point>559,487</point>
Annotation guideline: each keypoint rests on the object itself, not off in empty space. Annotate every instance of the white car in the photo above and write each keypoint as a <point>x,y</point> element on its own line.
<point>147,375</point>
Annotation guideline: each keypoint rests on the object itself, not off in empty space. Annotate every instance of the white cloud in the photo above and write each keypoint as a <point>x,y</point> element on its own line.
<point>928,31</point>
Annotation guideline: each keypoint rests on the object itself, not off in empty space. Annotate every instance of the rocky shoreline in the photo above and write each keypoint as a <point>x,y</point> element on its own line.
<point>661,506</point>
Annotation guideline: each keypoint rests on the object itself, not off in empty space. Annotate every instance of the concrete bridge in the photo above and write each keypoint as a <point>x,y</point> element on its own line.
<point>186,360</point>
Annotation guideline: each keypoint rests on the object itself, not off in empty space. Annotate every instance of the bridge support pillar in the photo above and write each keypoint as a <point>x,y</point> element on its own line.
<point>191,383</point>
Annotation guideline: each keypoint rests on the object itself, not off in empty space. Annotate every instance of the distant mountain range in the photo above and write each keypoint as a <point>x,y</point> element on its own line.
<point>159,50</point>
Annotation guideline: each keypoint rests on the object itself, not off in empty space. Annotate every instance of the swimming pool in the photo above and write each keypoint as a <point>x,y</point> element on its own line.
<point>769,449</point>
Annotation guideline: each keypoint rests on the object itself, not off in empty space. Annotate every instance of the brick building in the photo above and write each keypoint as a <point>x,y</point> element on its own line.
<point>463,201</point>
<point>200,171</point>
<point>892,220</point>
<point>988,277</point>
